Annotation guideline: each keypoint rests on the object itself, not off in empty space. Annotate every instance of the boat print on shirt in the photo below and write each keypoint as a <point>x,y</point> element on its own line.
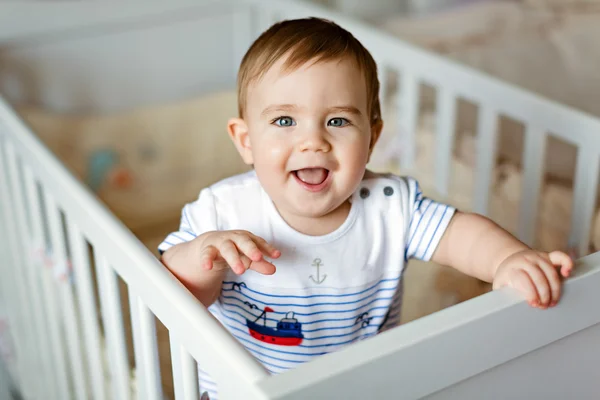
<point>288,331</point>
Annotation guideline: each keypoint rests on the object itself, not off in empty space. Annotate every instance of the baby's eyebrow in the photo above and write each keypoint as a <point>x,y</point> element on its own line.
<point>279,107</point>
<point>348,109</point>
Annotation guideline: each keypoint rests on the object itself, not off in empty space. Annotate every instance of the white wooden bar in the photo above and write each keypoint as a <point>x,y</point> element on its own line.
<point>113,327</point>
<point>486,158</point>
<point>149,383</point>
<point>261,20</point>
<point>185,372</point>
<point>37,238</point>
<point>10,294</point>
<point>383,85</point>
<point>24,342</point>
<point>584,198</point>
<point>445,131</point>
<point>43,365</point>
<point>49,292</point>
<point>87,309</point>
<point>65,290</point>
<point>242,36</point>
<point>533,165</point>
<point>408,103</point>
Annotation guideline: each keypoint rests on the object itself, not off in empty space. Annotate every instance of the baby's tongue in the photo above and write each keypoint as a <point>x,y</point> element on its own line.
<point>312,176</point>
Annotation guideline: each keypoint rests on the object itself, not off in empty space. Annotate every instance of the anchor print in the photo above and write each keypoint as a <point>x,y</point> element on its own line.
<point>317,263</point>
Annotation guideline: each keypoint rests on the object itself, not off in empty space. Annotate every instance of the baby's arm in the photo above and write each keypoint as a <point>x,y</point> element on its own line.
<point>478,247</point>
<point>201,264</point>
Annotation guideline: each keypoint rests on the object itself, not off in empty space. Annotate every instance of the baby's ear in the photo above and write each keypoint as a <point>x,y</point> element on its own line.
<point>238,131</point>
<point>376,129</point>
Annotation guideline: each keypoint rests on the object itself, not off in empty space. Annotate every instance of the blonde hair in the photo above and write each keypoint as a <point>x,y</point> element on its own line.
<point>303,40</point>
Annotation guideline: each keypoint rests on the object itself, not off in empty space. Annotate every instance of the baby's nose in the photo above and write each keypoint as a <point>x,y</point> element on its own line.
<point>315,140</point>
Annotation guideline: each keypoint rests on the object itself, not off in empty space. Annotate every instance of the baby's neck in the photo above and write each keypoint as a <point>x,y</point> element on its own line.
<point>319,226</point>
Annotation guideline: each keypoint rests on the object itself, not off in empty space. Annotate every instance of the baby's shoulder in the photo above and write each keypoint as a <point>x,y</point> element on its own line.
<point>388,188</point>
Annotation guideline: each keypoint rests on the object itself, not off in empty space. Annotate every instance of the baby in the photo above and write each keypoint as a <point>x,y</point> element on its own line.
<point>305,254</point>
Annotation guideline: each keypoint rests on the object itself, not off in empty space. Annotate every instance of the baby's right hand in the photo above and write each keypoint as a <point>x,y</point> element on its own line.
<point>238,250</point>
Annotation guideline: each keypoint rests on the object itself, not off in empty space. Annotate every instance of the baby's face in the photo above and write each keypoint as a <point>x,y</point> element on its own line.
<point>310,135</point>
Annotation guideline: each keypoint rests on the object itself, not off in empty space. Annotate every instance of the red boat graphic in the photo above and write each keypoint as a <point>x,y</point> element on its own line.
<point>287,333</point>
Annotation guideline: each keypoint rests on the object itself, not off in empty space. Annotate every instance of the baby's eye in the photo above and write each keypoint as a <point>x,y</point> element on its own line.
<point>284,121</point>
<point>337,122</point>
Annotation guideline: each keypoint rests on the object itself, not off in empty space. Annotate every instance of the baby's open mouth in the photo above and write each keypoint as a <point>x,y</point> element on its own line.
<point>312,176</point>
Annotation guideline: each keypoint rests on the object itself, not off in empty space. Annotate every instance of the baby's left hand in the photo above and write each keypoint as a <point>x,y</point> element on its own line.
<point>536,275</point>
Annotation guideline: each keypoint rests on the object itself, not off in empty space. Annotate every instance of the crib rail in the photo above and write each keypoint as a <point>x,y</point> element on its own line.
<point>48,220</point>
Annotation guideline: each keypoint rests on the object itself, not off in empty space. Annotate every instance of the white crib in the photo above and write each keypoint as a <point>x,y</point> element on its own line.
<point>494,346</point>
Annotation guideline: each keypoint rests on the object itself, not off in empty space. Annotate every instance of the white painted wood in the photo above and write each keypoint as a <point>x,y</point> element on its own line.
<point>47,282</point>
<point>199,332</point>
<point>149,385</point>
<point>383,84</point>
<point>11,292</point>
<point>533,163</point>
<point>486,158</point>
<point>440,350</point>
<point>445,131</point>
<point>42,366</point>
<point>25,346</point>
<point>535,375</point>
<point>243,35</point>
<point>584,198</point>
<point>37,238</point>
<point>185,372</point>
<point>408,109</point>
<point>262,19</point>
<point>87,308</point>
<point>67,303</point>
<point>179,55</point>
<point>112,319</point>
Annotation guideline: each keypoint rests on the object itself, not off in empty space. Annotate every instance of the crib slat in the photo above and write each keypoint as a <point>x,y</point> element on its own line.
<point>87,308</point>
<point>113,327</point>
<point>66,297</point>
<point>25,234</point>
<point>242,34</point>
<point>26,342</point>
<point>185,372</point>
<point>48,290</point>
<point>407,125</point>
<point>146,350</point>
<point>533,163</point>
<point>445,131</point>
<point>262,19</point>
<point>383,85</point>
<point>584,199</point>
<point>37,237</point>
<point>13,290</point>
<point>486,158</point>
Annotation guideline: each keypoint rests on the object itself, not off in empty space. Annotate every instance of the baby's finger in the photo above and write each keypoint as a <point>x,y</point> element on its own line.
<point>207,256</point>
<point>541,283</point>
<point>553,279</point>
<point>246,245</point>
<point>263,267</point>
<point>231,255</point>
<point>268,249</point>
<point>558,258</point>
<point>521,281</point>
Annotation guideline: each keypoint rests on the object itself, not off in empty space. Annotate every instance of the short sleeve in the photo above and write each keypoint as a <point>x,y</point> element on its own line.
<point>196,218</point>
<point>428,222</point>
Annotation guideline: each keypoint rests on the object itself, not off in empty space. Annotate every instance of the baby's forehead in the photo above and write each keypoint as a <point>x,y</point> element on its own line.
<point>341,75</point>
